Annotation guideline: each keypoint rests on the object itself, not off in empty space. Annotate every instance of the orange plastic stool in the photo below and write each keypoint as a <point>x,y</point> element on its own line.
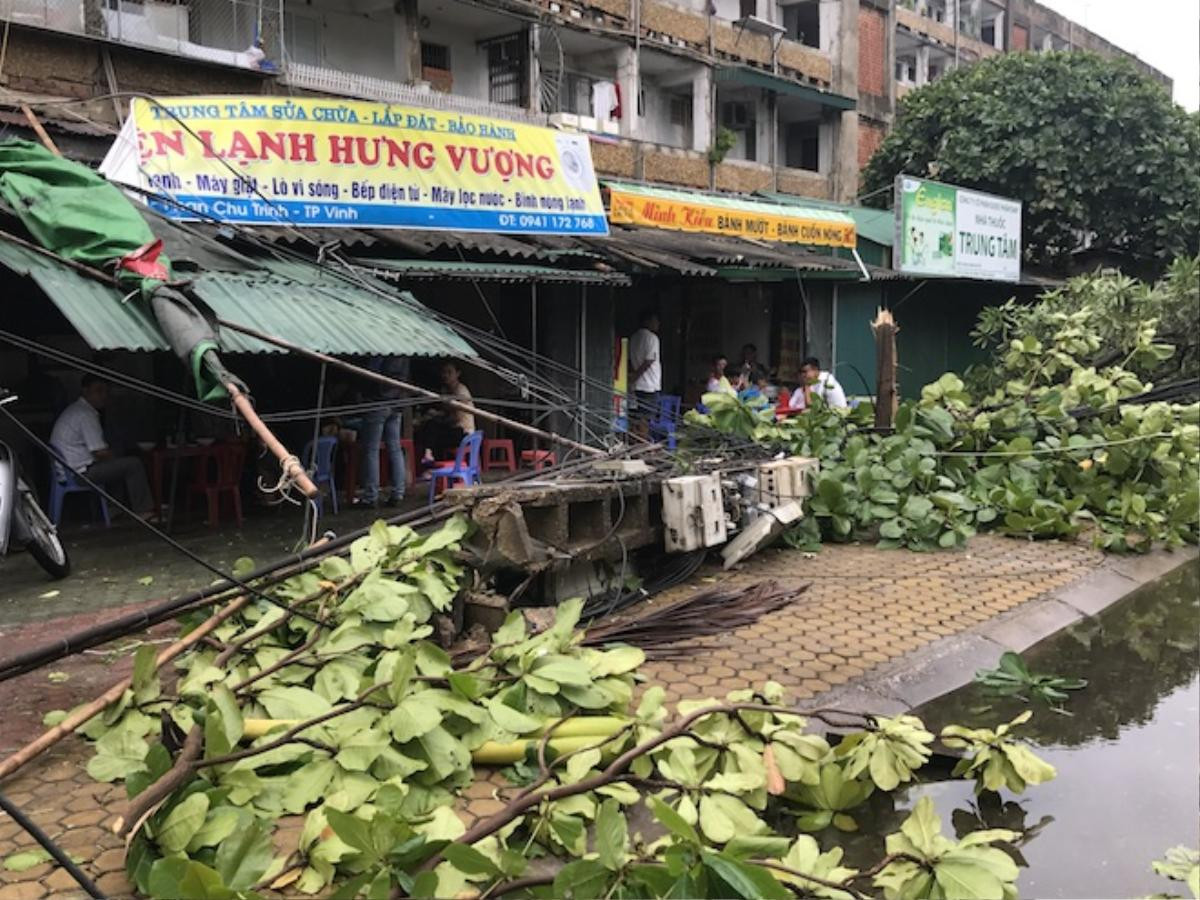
<point>538,459</point>
<point>498,453</point>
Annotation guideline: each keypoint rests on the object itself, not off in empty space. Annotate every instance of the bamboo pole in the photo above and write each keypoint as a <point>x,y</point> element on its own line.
<point>411,388</point>
<point>291,464</point>
<point>89,711</point>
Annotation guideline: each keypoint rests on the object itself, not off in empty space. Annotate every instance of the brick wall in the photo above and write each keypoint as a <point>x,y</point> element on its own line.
<point>872,46</point>
<point>614,159</point>
<point>870,136</point>
<point>678,167</point>
<point>805,184</point>
<point>1020,37</point>
<point>743,177</point>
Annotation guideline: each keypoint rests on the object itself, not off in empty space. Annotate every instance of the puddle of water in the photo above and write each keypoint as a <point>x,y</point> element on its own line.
<point>1127,759</point>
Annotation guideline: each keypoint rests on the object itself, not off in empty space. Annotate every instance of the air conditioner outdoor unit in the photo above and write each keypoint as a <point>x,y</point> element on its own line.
<point>786,480</point>
<point>564,120</point>
<point>693,512</point>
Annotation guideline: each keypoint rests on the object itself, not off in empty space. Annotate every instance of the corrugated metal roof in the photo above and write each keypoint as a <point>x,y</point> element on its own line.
<point>328,315</point>
<point>395,269</point>
<point>95,310</point>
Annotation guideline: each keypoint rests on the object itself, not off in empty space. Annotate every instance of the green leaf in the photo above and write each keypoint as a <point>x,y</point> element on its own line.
<point>25,860</point>
<point>673,822</point>
<point>220,824</point>
<point>180,878</point>
<point>360,750</point>
<point>243,857</point>
<point>581,880</point>
<point>563,670</point>
<point>432,661</point>
<point>182,823</point>
<point>509,719</point>
<point>749,881</point>
<point>961,879</point>
<point>611,835</point>
<point>293,703</point>
<point>470,860</point>
<point>352,830</point>
<point>145,674</point>
<point>923,828</point>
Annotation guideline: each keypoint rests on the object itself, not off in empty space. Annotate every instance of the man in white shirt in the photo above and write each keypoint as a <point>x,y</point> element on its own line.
<point>815,383</point>
<point>78,436</point>
<point>645,371</point>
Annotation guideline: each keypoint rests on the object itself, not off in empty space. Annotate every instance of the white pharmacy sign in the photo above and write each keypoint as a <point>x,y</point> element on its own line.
<point>951,231</point>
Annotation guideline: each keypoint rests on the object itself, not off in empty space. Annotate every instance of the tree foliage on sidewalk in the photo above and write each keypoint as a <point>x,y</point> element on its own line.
<point>1098,153</point>
<point>1041,443</point>
<point>338,710</point>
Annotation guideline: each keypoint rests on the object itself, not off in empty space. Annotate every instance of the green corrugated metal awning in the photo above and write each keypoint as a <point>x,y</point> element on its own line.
<point>394,269</point>
<point>321,312</point>
<point>748,77</point>
<point>876,225</point>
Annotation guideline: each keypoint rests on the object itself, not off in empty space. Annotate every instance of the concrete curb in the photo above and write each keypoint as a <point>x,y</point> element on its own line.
<point>951,662</point>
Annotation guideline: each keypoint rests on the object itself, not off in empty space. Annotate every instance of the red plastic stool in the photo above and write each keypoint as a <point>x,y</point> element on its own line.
<point>538,459</point>
<point>498,453</point>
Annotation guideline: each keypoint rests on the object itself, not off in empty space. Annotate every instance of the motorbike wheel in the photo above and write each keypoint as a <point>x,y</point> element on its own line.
<point>44,544</point>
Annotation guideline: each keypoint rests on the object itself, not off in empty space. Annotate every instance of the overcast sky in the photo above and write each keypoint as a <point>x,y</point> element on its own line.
<point>1164,33</point>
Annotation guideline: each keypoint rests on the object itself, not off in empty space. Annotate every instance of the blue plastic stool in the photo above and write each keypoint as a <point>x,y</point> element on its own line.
<point>64,481</point>
<point>666,417</point>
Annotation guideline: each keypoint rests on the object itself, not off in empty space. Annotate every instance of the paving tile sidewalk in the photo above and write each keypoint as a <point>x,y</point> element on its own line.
<point>863,608</point>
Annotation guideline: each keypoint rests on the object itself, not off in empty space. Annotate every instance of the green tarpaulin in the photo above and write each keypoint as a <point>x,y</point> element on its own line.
<point>74,213</point>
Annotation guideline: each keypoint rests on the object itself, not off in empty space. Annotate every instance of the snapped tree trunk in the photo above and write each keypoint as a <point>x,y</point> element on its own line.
<point>884,328</point>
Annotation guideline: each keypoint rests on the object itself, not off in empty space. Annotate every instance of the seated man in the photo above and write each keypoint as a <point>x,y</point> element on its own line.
<point>78,437</point>
<point>815,383</point>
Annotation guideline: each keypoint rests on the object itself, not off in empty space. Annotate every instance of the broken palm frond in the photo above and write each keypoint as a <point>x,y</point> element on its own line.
<point>671,632</point>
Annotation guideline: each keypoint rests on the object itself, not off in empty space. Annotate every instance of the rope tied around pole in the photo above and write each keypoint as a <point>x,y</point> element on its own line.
<point>287,482</point>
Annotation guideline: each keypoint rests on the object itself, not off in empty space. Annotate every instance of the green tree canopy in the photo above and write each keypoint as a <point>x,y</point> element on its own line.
<point>1100,156</point>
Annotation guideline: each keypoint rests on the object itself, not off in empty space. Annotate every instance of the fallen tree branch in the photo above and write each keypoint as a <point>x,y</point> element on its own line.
<point>616,769</point>
<point>141,806</point>
<point>90,710</point>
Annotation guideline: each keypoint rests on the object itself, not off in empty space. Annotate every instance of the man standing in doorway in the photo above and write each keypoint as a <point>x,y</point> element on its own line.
<point>645,374</point>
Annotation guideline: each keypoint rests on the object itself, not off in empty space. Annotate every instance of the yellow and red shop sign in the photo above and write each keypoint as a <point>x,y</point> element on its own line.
<point>650,207</point>
<point>319,162</point>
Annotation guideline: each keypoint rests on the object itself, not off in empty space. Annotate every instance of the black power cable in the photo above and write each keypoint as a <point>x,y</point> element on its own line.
<point>52,848</point>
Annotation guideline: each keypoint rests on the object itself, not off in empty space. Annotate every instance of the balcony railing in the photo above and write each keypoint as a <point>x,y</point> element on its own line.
<point>243,33</point>
<point>365,87</point>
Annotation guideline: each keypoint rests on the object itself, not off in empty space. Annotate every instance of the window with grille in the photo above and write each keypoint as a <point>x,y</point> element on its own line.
<point>575,95</point>
<point>680,110</point>
<point>507,69</point>
<point>435,56</point>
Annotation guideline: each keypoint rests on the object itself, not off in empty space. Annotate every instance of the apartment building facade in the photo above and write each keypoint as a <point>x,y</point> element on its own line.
<point>783,96</point>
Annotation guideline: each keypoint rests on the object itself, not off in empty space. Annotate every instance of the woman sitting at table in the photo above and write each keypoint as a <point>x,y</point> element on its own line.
<point>442,432</point>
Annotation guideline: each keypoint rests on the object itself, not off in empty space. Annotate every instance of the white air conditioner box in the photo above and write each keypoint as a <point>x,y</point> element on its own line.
<point>693,512</point>
<point>784,480</point>
<point>564,120</point>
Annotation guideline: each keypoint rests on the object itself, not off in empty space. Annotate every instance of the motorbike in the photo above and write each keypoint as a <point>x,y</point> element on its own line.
<point>23,523</point>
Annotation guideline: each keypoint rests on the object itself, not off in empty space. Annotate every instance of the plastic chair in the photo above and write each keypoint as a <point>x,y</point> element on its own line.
<point>507,454</point>
<point>222,478</point>
<point>64,481</point>
<point>465,467</point>
<point>667,415</point>
<point>320,469</point>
